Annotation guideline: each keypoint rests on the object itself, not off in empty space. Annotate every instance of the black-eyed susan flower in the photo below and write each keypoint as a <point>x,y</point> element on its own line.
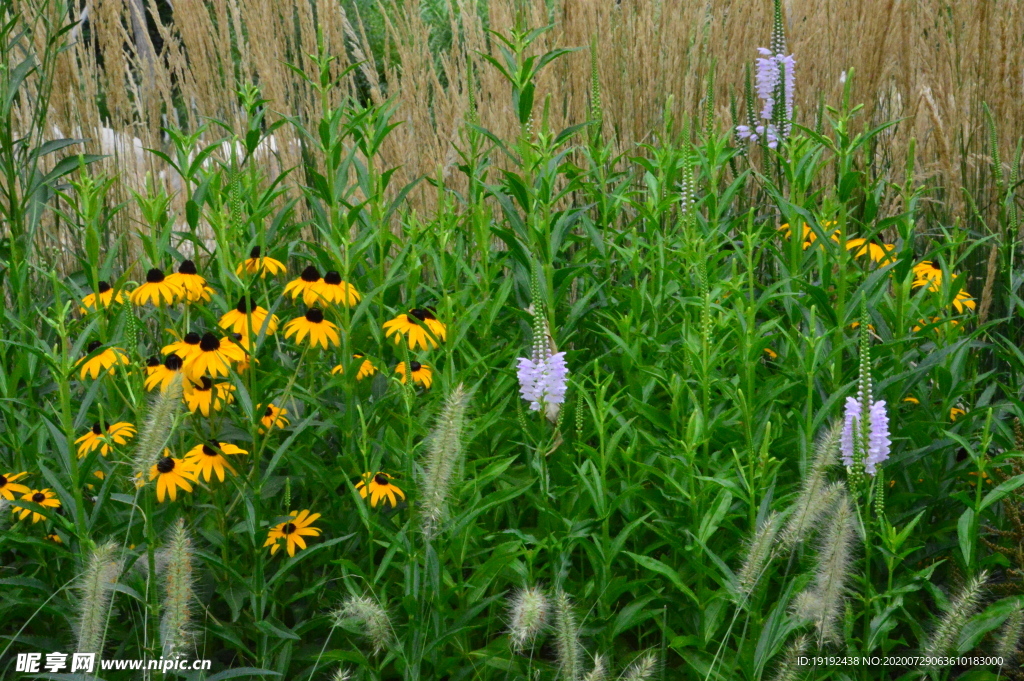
<point>255,263</point>
<point>365,369</point>
<point>955,413</point>
<point>421,373</point>
<point>313,324</point>
<point>770,354</point>
<point>293,532</point>
<point>237,320</point>
<point>106,296</point>
<point>809,236</point>
<point>922,323</point>
<point>184,348</point>
<point>104,438</point>
<point>208,459</point>
<point>415,327</point>
<point>379,487</point>
<point>307,285</point>
<point>171,474</point>
<point>963,301</point>
<point>55,538</point>
<point>927,274</point>
<point>215,357</point>
<point>165,373</point>
<point>204,395</point>
<point>911,399</point>
<point>880,253</point>
<point>103,361</point>
<point>332,290</point>
<point>153,365</point>
<point>273,417</point>
<point>8,486</point>
<point>44,497</point>
<point>191,283</point>
<point>157,290</point>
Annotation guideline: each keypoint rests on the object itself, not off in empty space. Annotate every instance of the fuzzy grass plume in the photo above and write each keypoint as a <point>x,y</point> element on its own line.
<point>444,456</point>
<point>813,500</point>
<point>567,638</point>
<point>600,670</point>
<point>528,615</point>
<point>179,596</point>
<point>95,588</point>
<point>371,618</point>
<point>789,669</point>
<point>822,602</point>
<point>961,609</point>
<point>157,428</point>
<point>641,670</point>
<point>1009,636</point>
<point>759,553</point>
<point>340,674</point>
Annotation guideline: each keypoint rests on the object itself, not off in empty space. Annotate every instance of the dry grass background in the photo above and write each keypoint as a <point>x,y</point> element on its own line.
<point>931,62</point>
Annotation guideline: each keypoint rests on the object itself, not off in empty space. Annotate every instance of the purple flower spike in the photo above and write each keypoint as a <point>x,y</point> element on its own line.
<point>878,444</point>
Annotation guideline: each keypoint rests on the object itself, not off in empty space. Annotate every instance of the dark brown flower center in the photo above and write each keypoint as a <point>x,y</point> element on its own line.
<point>3,481</point>
<point>154,276</point>
<point>255,252</point>
<point>153,361</point>
<point>269,412</point>
<point>332,278</point>
<point>310,274</point>
<point>210,451</point>
<point>92,346</point>
<point>165,465</point>
<point>192,338</point>
<point>289,528</point>
<point>241,307</point>
<point>381,479</point>
<point>103,287</point>
<point>422,314</point>
<point>187,267</point>
<point>97,429</point>
<point>209,343</point>
<point>206,384</point>
<point>415,366</point>
<point>314,315</point>
<point>173,362</point>
<point>38,497</point>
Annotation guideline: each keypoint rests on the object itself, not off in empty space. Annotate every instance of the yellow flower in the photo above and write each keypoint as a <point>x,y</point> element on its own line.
<point>118,433</point>
<point>927,274</point>
<point>770,354</point>
<point>153,365</point>
<point>44,497</point>
<point>878,253</point>
<point>207,459</point>
<point>420,373</point>
<point>332,290</point>
<point>273,417</point>
<point>307,285</point>
<point>963,301</point>
<point>912,400</point>
<point>379,487</point>
<point>214,358</point>
<point>54,538</point>
<point>164,374</point>
<point>320,330</point>
<point>421,327</point>
<point>105,360</point>
<point>192,285</point>
<point>809,235</point>
<point>106,297</point>
<point>955,413</point>
<point>254,263</point>
<point>921,323</point>
<point>157,290</point>
<point>365,369</point>
<point>204,395</point>
<point>170,474</point>
<point>237,320</point>
<point>8,486</point>
<point>184,348</point>
<point>293,532</point>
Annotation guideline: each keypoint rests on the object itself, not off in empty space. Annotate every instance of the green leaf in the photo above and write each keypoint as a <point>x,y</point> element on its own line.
<point>655,565</point>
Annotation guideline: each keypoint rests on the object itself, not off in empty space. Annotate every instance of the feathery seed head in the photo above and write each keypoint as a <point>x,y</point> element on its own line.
<point>528,615</point>
<point>157,428</point>
<point>790,669</point>
<point>567,638</point>
<point>759,553</point>
<point>600,670</point>
<point>1009,636</point>
<point>95,587</point>
<point>961,609</point>
<point>642,669</point>
<point>444,456</point>
<point>371,618</point>
<point>179,596</point>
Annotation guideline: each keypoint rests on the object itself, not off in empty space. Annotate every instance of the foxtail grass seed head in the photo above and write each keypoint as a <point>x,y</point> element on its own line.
<point>527,617</point>
<point>961,609</point>
<point>642,669</point>
<point>444,455</point>
<point>157,428</point>
<point>1009,636</point>
<point>368,614</point>
<point>600,670</point>
<point>812,501</point>
<point>567,638</point>
<point>95,588</point>
<point>822,601</point>
<point>340,674</point>
<point>179,596</point>
<point>759,553</point>
<point>790,668</point>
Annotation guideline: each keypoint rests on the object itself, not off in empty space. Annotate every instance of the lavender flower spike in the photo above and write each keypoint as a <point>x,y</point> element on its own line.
<point>878,444</point>
<point>543,381</point>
